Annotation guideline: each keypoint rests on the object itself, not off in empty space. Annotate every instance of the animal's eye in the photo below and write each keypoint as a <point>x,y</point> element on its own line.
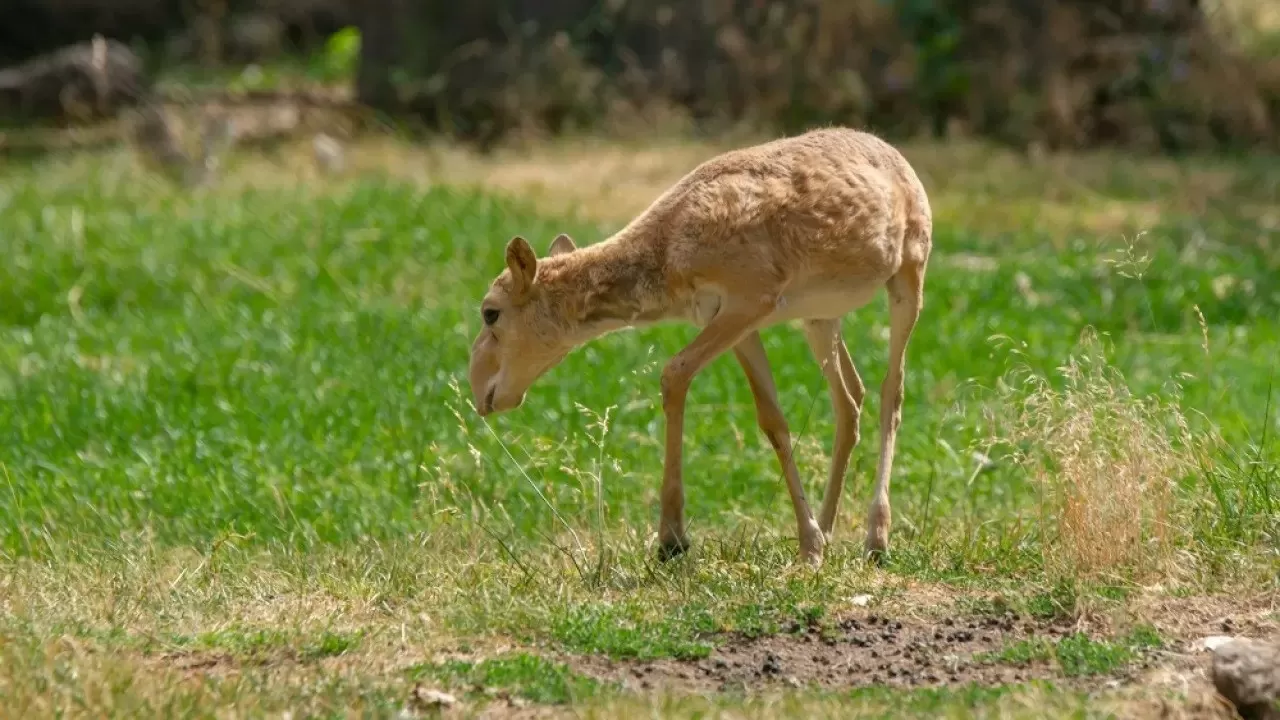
<point>490,316</point>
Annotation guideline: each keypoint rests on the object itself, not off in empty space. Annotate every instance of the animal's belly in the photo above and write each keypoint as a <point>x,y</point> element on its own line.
<point>812,303</point>
<point>822,303</point>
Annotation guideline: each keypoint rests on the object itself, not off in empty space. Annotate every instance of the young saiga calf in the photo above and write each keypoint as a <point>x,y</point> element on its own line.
<point>801,228</point>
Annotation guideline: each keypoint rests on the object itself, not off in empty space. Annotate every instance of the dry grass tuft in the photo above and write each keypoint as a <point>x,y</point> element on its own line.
<point>1105,462</point>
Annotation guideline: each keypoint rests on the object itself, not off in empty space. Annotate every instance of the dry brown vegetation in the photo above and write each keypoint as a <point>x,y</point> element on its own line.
<point>1105,462</point>
<point>152,631</point>
<point>608,180</point>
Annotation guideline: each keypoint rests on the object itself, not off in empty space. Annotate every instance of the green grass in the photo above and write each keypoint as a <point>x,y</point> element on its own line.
<point>966,701</point>
<point>528,676</point>
<point>1077,654</point>
<point>238,421</point>
<point>260,645</point>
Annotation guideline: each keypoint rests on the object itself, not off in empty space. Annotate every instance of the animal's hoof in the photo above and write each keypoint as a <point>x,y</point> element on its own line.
<point>812,545</point>
<point>669,549</point>
<point>878,533</point>
<point>875,552</point>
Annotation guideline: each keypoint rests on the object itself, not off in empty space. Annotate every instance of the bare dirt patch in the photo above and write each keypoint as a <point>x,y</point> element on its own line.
<point>1193,618</point>
<point>925,639</point>
<point>199,663</point>
<point>858,651</point>
<point>866,649</point>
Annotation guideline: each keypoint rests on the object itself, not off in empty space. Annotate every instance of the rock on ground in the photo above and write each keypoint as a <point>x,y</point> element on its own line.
<point>1247,672</point>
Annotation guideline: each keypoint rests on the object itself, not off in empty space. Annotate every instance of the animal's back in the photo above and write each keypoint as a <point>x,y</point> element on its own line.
<point>832,202</point>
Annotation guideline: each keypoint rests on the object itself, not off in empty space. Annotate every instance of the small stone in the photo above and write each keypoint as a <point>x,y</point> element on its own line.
<point>1213,642</point>
<point>1247,673</point>
<point>772,666</point>
<point>860,600</point>
<point>430,699</point>
<point>328,153</point>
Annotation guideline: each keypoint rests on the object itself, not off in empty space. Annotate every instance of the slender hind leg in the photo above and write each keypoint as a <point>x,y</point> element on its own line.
<point>906,297</point>
<point>847,392</point>
<point>751,355</point>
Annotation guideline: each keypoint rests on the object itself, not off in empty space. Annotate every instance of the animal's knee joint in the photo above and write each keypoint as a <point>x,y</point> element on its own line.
<point>673,383</point>
<point>779,437</point>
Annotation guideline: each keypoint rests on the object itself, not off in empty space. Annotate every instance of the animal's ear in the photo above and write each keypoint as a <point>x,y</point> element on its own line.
<point>523,264</point>
<point>562,244</point>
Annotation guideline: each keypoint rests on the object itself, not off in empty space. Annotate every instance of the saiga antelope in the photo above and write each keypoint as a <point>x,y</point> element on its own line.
<point>801,228</point>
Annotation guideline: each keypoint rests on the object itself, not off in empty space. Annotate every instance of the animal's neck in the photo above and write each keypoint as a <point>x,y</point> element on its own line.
<point>609,286</point>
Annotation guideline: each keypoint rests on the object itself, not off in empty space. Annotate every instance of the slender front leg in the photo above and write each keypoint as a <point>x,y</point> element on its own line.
<point>751,355</point>
<point>724,331</point>
<point>906,297</point>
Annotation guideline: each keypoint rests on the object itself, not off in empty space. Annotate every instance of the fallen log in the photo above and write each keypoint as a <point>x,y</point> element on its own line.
<point>79,83</point>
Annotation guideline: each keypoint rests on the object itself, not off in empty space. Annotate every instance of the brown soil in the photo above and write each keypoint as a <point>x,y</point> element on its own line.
<point>869,649</point>
<point>916,642</point>
<point>866,650</point>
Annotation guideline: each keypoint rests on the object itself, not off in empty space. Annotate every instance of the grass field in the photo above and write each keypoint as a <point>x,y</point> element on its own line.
<point>241,474</point>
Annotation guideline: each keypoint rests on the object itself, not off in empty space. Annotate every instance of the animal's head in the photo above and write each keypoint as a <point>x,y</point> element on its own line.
<point>524,334</point>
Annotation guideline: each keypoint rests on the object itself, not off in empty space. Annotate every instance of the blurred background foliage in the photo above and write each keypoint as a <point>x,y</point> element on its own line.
<point>1150,75</point>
